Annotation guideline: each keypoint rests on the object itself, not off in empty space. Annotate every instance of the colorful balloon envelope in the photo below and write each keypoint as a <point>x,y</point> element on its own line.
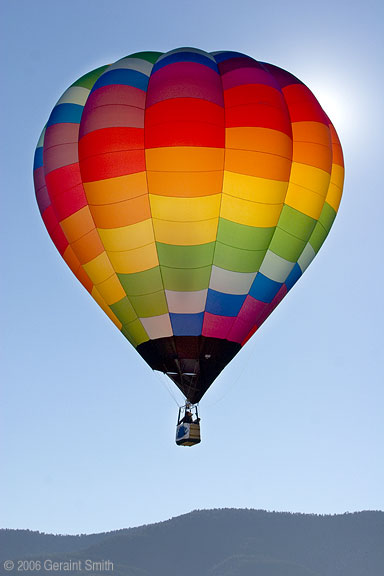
<point>188,192</point>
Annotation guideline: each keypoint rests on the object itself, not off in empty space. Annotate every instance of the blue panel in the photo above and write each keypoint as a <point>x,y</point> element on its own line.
<point>122,76</point>
<point>293,277</point>
<point>264,289</point>
<point>224,304</point>
<point>187,324</point>
<point>185,57</point>
<point>66,114</point>
<point>222,56</point>
<point>38,161</point>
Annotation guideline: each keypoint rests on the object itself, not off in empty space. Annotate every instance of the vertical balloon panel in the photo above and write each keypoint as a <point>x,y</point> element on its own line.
<point>188,192</point>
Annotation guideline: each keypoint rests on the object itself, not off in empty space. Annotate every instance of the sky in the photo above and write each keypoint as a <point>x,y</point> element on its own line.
<point>295,422</point>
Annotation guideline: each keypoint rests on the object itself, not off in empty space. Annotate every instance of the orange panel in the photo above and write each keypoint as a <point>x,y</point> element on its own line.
<point>313,154</point>
<point>121,213</point>
<point>259,139</point>
<point>311,132</point>
<point>185,184</point>
<point>88,247</point>
<point>77,224</point>
<point>184,159</point>
<point>337,151</point>
<point>258,164</point>
<point>116,189</point>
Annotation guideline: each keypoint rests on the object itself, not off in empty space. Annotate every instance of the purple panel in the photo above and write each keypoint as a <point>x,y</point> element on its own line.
<point>216,326</point>
<point>248,76</point>
<point>236,63</point>
<point>185,80</point>
<point>39,178</point>
<point>283,77</point>
<point>43,199</point>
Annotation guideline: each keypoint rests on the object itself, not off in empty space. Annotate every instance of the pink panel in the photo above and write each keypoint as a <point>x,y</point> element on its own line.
<point>59,156</point>
<point>247,76</point>
<point>185,79</point>
<point>116,94</point>
<point>60,134</point>
<point>215,326</point>
<point>112,116</point>
<point>247,319</point>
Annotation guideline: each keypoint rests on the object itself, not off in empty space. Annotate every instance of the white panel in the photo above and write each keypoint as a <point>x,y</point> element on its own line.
<point>157,326</point>
<point>231,282</point>
<point>306,257</point>
<point>74,95</point>
<point>275,267</point>
<point>186,302</point>
<point>137,64</point>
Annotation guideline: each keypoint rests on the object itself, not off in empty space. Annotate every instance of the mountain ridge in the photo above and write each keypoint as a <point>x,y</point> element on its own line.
<point>223,542</point>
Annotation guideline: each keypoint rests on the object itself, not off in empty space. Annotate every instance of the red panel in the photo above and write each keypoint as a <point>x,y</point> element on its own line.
<point>302,105</point>
<point>185,134</point>
<point>69,202</point>
<point>110,140</point>
<point>258,115</point>
<point>62,179</point>
<point>54,230</point>
<point>112,164</point>
<point>179,109</point>
<point>253,94</point>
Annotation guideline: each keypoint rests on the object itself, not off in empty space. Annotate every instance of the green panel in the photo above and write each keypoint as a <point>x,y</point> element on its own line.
<point>150,304</point>
<point>88,80</point>
<point>142,282</point>
<point>149,56</point>
<point>185,256</point>
<point>241,236</point>
<point>238,260</point>
<point>123,310</point>
<point>287,246</point>
<point>317,237</point>
<point>327,216</point>
<point>184,279</point>
<point>135,332</point>
<point>296,223</point>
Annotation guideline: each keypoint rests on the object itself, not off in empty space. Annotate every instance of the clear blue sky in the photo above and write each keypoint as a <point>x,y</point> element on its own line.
<point>295,423</point>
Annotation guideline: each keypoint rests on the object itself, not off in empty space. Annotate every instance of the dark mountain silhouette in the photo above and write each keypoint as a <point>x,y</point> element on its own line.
<point>224,542</point>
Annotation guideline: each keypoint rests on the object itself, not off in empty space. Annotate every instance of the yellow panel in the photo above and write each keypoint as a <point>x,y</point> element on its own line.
<point>250,213</point>
<point>128,237</point>
<point>78,224</point>
<point>261,139</point>
<point>136,260</point>
<point>111,290</point>
<point>257,164</point>
<point>304,200</point>
<point>185,209</point>
<point>336,187</point>
<point>99,269</point>
<point>116,189</point>
<point>185,184</point>
<point>101,302</point>
<point>310,177</point>
<point>185,233</point>
<point>184,159</point>
<point>254,188</point>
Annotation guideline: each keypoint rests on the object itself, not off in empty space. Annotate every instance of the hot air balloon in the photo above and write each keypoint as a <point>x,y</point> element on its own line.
<point>188,192</point>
